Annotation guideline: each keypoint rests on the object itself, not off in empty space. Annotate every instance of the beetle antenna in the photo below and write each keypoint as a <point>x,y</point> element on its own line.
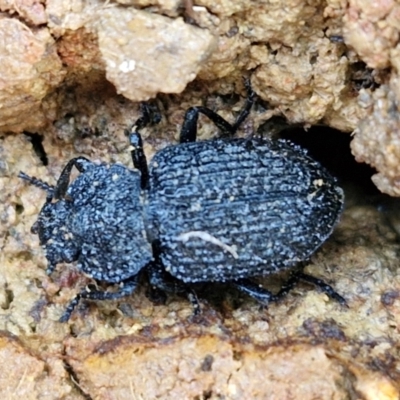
<point>37,182</point>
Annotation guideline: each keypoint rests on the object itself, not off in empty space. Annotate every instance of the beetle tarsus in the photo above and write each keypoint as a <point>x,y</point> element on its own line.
<point>324,287</point>
<point>298,275</point>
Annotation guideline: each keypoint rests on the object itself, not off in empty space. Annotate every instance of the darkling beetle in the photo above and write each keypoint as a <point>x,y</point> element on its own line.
<point>221,210</point>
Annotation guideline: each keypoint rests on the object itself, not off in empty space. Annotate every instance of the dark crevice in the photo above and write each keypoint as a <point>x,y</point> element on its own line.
<point>9,297</point>
<point>207,363</point>
<point>204,396</point>
<point>237,355</point>
<point>19,209</point>
<point>75,380</point>
<point>5,240</point>
<point>38,148</point>
<point>362,77</point>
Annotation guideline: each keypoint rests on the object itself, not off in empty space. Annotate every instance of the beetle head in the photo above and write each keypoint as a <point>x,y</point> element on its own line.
<point>54,235</point>
<point>52,226</point>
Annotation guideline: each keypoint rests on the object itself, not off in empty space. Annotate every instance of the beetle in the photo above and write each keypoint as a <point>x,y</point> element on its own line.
<point>221,210</point>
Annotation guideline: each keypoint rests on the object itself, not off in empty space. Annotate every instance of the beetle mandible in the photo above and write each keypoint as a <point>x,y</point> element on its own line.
<point>222,210</point>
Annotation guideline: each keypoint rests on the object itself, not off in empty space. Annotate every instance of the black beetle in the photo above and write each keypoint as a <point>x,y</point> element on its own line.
<point>220,210</point>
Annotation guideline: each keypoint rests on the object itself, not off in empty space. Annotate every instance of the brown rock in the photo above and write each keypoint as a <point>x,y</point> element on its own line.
<point>29,70</point>
<point>146,53</point>
<point>24,375</point>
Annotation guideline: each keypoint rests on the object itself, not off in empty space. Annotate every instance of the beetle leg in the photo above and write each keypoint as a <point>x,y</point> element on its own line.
<point>139,158</point>
<point>156,295</point>
<point>150,115</point>
<point>297,276</point>
<point>81,164</point>
<point>254,290</point>
<point>162,280</point>
<point>128,286</point>
<point>250,100</point>
<point>264,296</point>
<point>189,126</point>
